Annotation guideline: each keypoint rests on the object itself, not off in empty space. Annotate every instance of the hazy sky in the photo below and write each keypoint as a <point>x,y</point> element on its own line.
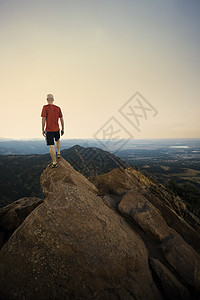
<point>93,56</point>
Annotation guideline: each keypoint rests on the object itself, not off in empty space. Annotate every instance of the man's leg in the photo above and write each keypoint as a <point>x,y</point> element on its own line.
<point>53,153</point>
<point>58,146</point>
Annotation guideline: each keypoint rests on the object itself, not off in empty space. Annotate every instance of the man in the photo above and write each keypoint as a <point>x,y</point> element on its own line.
<point>50,115</point>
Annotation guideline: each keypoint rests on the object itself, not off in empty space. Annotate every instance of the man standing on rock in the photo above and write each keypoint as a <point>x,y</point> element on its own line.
<point>50,115</point>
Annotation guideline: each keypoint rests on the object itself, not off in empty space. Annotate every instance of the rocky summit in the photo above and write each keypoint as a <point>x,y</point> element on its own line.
<point>115,236</point>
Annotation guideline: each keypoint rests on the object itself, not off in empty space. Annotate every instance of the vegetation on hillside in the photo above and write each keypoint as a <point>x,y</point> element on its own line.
<point>188,192</point>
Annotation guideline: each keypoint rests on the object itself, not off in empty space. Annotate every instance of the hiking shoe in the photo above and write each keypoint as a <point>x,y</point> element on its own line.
<point>52,166</point>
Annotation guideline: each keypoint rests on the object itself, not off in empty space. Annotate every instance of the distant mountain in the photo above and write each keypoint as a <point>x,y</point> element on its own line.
<point>38,146</point>
<point>20,174</point>
<point>24,147</point>
<point>92,160</point>
<point>116,146</point>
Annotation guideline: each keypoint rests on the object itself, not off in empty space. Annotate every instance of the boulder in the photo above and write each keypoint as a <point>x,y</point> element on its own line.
<point>183,259</point>
<point>173,220</point>
<point>73,246</point>
<point>12,215</point>
<point>114,184</point>
<point>145,215</point>
<point>179,254</point>
<point>177,204</point>
<point>117,236</point>
<point>173,289</point>
<point>120,180</point>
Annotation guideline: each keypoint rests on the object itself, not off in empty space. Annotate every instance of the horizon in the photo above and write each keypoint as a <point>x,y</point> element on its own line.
<point>93,139</point>
<point>31,147</point>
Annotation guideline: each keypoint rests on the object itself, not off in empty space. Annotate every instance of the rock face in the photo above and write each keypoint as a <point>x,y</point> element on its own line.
<point>109,241</point>
<point>120,180</point>
<point>174,248</point>
<point>12,215</point>
<point>172,287</point>
<point>74,247</point>
<point>114,185</point>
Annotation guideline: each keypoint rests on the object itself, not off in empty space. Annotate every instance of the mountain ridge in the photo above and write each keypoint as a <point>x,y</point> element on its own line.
<point>20,174</point>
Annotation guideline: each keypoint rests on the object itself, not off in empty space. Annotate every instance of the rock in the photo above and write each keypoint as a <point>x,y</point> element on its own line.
<point>174,220</point>
<point>67,176</point>
<point>145,215</point>
<point>117,236</point>
<point>111,201</point>
<point>178,205</point>
<point>183,259</point>
<point>183,211</point>
<point>143,180</point>
<point>116,183</point>
<point>12,215</point>
<point>173,289</point>
<point>73,246</point>
<point>119,181</point>
<point>181,256</point>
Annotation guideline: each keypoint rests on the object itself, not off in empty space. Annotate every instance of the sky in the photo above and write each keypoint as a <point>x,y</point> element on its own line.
<point>117,69</point>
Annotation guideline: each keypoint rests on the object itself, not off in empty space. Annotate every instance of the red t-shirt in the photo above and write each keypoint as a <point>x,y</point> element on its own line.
<point>52,113</point>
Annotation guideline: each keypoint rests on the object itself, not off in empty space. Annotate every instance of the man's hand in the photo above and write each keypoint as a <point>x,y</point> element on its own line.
<point>43,126</point>
<point>62,125</point>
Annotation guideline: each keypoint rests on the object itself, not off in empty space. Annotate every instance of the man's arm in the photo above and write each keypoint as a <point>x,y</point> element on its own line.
<point>43,125</point>
<point>62,124</point>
